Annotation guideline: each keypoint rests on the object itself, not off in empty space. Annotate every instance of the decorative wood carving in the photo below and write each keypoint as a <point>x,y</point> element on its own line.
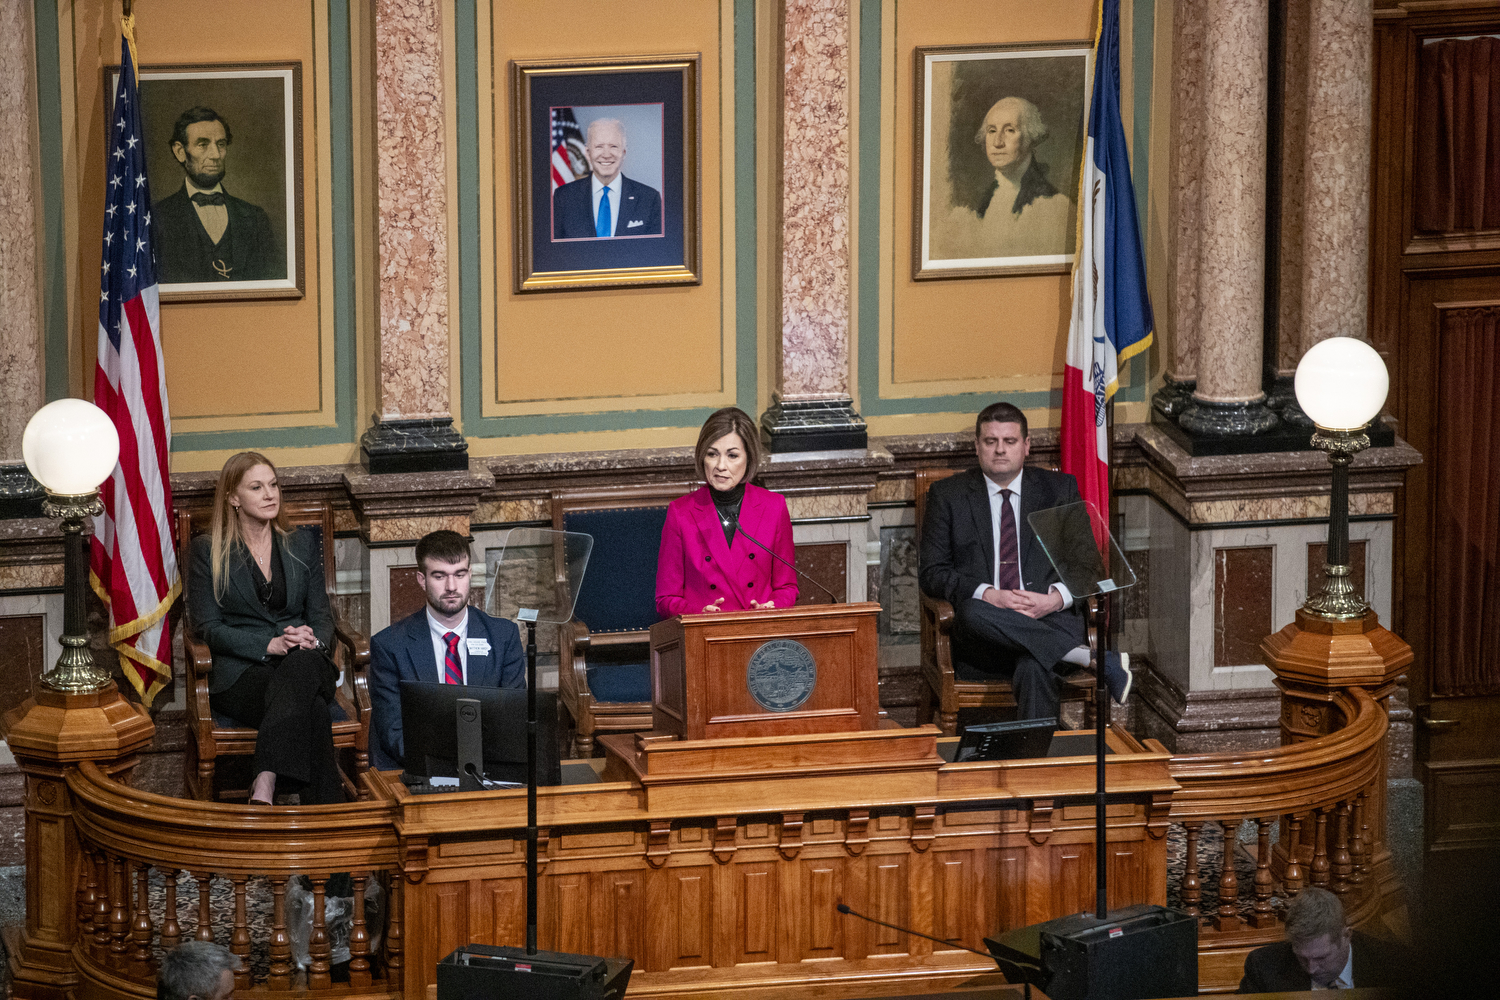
<point>658,842</point>
<point>1041,821</point>
<point>724,833</point>
<point>791,835</point>
<point>857,832</point>
<point>923,819</point>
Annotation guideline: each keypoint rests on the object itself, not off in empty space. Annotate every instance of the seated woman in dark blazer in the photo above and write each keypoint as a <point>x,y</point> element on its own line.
<point>709,558</point>
<point>256,596</point>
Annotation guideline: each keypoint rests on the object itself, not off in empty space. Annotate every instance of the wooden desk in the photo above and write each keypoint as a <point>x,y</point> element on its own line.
<point>718,863</point>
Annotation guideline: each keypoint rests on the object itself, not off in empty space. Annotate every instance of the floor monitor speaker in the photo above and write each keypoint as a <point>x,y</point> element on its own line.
<point>1137,953</point>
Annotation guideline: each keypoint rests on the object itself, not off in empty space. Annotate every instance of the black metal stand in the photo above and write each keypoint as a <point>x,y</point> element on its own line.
<point>1099,620</point>
<point>531,787</point>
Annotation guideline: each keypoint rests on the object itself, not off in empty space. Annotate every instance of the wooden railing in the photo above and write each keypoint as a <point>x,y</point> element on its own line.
<point>131,841</point>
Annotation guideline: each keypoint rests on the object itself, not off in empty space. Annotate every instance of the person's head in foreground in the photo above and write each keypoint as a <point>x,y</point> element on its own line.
<point>197,970</point>
<point>1318,934</point>
<point>728,451</point>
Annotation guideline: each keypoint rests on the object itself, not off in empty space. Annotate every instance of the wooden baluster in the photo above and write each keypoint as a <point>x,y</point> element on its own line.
<point>395,961</point>
<point>1361,843</point>
<point>100,947</point>
<point>359,937</point>
<point>319,953</point>
<point>1192,886</point>
<point>1320,850</point>
<point>1292,878</point>
<point>239,938</point>
<point>141,930</point>
<point>119,916</point>
<point>171,930</point>
<point>280,977</point>
<point>1227,917</point>
<point>205,929</point>
<point>88,894</point>
<point>1341,863</point>
<point>1264,914</point>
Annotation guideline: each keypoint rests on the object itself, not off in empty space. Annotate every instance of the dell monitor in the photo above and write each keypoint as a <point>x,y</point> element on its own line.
<point>448,726</point>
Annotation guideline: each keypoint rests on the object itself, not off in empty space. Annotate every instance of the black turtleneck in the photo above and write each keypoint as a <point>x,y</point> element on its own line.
<point>727,503</point>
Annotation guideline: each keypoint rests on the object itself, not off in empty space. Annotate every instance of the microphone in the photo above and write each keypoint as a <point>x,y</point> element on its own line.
<point>906,930</point>
<point>735,520</point>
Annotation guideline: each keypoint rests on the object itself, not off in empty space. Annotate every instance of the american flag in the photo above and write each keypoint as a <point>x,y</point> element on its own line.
<point>133,567</point>
<point>568,161</point>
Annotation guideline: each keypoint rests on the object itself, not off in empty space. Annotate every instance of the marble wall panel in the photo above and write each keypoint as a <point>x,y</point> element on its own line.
<point>900,593</point>
<point>1242,603</point>
<point>828,564</point>
<point>1169,594</point>
<point>23,640</point>
<point>408,529</point>
<point>826,505</point>
<point>852,535</point>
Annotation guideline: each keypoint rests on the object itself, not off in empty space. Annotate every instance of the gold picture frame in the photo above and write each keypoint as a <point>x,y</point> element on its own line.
<point>653,102</point>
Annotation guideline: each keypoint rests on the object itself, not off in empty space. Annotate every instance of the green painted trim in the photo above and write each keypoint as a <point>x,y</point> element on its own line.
<point>53,246</point>
<point>746,182</point>
<point>466,54</point>
<point>341,164</point>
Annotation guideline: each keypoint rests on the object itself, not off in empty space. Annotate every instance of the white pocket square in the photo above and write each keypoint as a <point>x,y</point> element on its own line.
<point>633,224</point>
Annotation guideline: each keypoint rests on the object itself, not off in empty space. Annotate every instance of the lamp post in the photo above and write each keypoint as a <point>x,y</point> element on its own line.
<point>1341,384</point>
<point>70,447</point>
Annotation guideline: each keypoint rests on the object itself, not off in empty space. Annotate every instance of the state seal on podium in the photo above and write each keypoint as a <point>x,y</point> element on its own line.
<point>781,675</point>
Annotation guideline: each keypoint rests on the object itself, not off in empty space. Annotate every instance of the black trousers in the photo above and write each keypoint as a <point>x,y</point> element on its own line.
<point>287,701</point>
<point>998,643</point>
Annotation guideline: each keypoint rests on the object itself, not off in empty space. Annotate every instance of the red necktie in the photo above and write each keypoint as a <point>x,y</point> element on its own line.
<point>1008,573</point>
<point>453,667</point>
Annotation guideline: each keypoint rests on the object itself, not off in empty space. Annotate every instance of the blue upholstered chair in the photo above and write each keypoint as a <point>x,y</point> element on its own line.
<point>210,735</point>
<point>605,651</point>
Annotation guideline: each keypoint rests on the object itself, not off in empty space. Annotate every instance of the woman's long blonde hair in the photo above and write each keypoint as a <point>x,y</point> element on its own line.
<point>224,530</point>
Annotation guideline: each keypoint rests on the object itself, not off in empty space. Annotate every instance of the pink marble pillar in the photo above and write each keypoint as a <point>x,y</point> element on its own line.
<point>1294,139</point>
<point>413,431</point>
<point>1185,205</point>
<point>20,302</point>
<point>813,409</point>
<point>1228,399</point>
<point>1336,222</point>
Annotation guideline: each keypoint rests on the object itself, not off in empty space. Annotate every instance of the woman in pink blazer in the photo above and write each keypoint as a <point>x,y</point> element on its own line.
<point>709,560</point>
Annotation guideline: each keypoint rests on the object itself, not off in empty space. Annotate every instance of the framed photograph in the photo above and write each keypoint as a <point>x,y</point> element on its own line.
<point>998,150</point>
<point>224,161</point>
<point>606,173</point>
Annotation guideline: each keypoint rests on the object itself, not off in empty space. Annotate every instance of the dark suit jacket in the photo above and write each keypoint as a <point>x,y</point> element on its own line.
<point>186,254</point>
<point>238,628</point>
<point>958,542</point>
<point>403,652</point>
<point>573,210</point>
<point>1377,963</point>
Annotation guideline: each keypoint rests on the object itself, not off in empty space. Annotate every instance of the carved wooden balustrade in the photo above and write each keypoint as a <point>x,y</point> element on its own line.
<point>131,842</point>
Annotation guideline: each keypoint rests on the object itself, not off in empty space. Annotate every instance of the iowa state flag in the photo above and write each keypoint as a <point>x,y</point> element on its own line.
<point>1111,310</point>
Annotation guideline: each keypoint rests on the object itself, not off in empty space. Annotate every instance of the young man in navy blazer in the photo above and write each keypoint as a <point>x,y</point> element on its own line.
<point>446,642</point>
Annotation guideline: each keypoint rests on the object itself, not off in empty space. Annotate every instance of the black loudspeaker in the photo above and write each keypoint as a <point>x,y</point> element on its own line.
<point>1139,952</point>
<point>485,972</point>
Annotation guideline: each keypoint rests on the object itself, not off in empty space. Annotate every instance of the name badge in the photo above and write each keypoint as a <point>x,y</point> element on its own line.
<point>635,222</point>
<point>478,647</point>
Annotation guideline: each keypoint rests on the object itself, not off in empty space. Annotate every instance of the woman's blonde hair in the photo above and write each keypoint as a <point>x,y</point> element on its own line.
<point>729,420</point>
<point>224,530</point>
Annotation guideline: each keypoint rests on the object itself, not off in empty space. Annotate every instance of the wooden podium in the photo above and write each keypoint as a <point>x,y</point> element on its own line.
<point>793,671</point>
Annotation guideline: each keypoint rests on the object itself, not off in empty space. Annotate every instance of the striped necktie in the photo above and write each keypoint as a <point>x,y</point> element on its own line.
<point>453,667</point>
<point>1008,572</point>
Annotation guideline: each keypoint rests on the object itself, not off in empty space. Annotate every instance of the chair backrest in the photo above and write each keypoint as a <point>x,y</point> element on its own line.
<point>925,479</point>
<point>314,515</point>
<point>619,587</point>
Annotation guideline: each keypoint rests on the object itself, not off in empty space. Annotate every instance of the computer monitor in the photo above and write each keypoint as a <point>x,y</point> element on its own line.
<point>1020,740</point>
<point>436,737</point>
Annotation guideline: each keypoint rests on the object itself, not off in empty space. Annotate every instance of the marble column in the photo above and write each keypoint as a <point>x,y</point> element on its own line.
<point>413,428</point>
<point>20,300</point>
<point>1185,206</point>
<point>812,409</point>
<point>1294,139</point>
<point>1336,221</point>
<point>1228,400</point>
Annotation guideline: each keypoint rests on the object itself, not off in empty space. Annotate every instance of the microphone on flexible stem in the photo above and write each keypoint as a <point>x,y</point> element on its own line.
<point>842,908</point>
<point>735,520</point>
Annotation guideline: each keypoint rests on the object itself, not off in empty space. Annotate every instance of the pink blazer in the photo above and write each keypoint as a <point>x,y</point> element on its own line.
<point>694,567</point>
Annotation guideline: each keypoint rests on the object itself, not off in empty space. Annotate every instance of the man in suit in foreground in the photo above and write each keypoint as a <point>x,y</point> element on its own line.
<point>203,232</point>
<point>1321,952</point>
<point>606,203</point>
<point>1013,617</point>
<point>447,642</point>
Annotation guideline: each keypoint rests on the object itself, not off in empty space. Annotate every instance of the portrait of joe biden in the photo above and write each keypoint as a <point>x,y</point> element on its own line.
<point>606,203</point>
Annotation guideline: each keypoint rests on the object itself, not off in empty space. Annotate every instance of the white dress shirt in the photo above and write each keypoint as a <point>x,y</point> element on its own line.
<point>614,200</point>
<point>993,490</point>
<point>440,645</point>
<point>215,218</point>
<point>1345,980</point>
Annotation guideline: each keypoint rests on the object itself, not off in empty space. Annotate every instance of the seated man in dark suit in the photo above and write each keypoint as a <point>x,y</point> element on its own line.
<point>1013,617</point>
<point>447,642</point>
<point>204,233</point>
<point>1321,952</point>
<point>606,203</point>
